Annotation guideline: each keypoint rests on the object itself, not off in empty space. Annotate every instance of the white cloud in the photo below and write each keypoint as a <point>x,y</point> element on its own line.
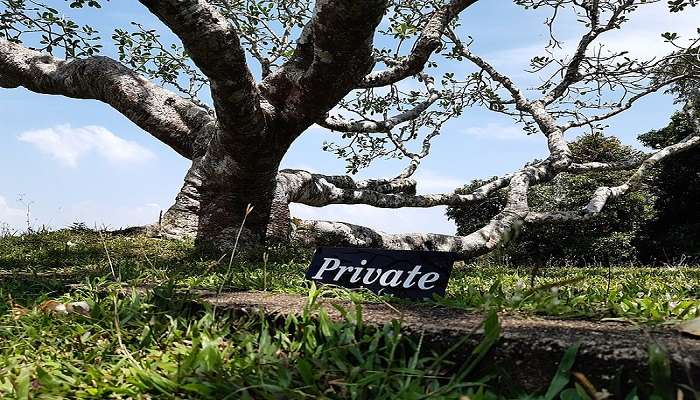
<point>498,131</point>
<point>641,35</point>
<point>432,182</point>
<point>67,144</point>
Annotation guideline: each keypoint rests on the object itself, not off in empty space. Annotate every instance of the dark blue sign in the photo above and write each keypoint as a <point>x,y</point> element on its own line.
<point>402,273</point>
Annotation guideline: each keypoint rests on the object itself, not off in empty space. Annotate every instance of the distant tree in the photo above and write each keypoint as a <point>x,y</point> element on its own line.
<point>606,238</point>
<point>322,63</point>
<point>674,231</point>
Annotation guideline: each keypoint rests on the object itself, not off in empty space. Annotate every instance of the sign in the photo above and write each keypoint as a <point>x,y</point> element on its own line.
<point>402,273</point>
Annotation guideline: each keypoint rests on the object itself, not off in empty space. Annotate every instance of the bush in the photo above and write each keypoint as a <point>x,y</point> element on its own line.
<point>674,231</point>
<point>608,238</point>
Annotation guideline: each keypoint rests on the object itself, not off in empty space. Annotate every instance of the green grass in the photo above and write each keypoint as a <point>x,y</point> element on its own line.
<point>151,346</point>
<point>162,345</point>
<point>637,294</point>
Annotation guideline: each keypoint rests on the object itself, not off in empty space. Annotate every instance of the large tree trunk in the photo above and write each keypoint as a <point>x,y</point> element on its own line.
<point>182,218</point>
<point>218,189</point>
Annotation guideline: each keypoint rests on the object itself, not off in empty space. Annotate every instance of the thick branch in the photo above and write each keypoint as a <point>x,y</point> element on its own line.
<point>503,226</point>
<point>558,148</point>
<point>296,184</point>
<point>560,154</point>
<point>215,48</point>
<point>428,42</point>
<point>320,190</point>
<point>604,194</point>
<point>170,118</point>
<point>415,157</point>
<point>332,54</point>
<point>498,231</point>
<point>579,168</point>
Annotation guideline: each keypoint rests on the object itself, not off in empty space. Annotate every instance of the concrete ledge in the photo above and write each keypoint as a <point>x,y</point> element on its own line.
<point>530,348</point>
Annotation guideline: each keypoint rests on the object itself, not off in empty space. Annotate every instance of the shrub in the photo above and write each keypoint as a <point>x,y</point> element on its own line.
<point>674,231</point>
<point>607,238</point>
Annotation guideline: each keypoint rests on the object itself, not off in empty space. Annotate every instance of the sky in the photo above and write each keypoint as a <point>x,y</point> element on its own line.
<point>67,160</point>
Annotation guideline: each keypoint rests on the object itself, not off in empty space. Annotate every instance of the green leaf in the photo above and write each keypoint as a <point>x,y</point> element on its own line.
<point>562,376</point>
<point>492,332</point>
<point>21,384</point>
<point>306,371</point>
<point>660,371</point>
<point>570,394</point>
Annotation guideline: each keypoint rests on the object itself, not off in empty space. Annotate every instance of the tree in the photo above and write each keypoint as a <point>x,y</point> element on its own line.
<point>674,232</point>
<point>318,66</point>
<point>611,237</point>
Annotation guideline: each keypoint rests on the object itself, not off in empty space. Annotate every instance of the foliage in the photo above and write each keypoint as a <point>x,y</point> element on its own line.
<point>607,238</point>
<point>640,294</point>
<point>584,88</point>
<point>145,52</point>
<point>674,232</point>
<point>49,28</point>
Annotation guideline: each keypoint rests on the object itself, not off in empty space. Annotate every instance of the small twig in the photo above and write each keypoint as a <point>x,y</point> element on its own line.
<point>248,210</point>
<point>265,258</point>
<point>118,333</point>
<point>27,205</point>
<point>148,260</point>
<point>109,259</point>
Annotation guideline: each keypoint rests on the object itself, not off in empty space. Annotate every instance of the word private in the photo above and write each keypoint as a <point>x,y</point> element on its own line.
<point>402,273</point>
<point>389,277</point>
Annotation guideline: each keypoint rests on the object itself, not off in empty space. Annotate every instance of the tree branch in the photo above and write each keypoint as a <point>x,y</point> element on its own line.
<point>213,45</point>
<point>294,183</point>
<point>170,118</point>
<point>333,52</point>
<point>558,148</point>
<point>428,42</point>
<point>604,194</point>
<point>580,168</point>
<point>498,231</point>
<point>319,190</point>
<point>627,104</point>
<point>572,74</point>
<point>340,124</point>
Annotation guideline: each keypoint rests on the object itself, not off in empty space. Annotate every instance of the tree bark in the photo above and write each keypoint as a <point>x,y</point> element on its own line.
<point>217,192</point>
<point>182,218</point>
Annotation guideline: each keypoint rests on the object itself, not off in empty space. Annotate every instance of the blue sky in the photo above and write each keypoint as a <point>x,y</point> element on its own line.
<point>77,160</point>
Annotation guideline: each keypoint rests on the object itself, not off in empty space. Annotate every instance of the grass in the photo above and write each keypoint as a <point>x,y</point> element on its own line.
<point>149,346</point>
<point>160,345</point>
<point>654,295</point>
